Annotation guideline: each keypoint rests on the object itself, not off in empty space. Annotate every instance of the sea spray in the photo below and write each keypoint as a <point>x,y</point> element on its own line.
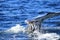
<point>47,36</point>
<point>36,35</point>
<point>16,29</point>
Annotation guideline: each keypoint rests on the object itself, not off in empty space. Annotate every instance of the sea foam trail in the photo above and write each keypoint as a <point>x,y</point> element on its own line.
<point>36,34</point>
<point>16,29</point>
<point>46,36</point>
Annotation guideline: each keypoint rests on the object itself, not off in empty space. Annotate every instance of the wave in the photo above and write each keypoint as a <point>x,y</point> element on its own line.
<point>35,35</point>
<point>16,29</point>
<point>46,36</point>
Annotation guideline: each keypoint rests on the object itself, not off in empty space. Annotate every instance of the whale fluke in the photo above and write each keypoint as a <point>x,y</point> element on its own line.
<point>36,23</point>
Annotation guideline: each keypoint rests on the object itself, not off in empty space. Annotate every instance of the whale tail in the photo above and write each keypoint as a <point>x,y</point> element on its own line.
<point>37,22</point>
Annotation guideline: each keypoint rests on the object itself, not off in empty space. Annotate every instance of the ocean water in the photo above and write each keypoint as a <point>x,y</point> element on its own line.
<point>13,14</point>
<point>18,33</point>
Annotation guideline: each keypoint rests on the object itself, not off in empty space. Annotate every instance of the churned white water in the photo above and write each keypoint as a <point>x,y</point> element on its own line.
<point>36,35</point>
<point>16,29</point>
<point>46,36</point>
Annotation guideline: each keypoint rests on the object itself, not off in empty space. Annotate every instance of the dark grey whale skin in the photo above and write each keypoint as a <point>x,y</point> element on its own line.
<point>38,22</point>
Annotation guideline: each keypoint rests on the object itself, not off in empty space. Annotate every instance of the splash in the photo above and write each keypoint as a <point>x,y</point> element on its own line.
<point>46,36</point>
<point>36,35</point>
<point>16,29</point>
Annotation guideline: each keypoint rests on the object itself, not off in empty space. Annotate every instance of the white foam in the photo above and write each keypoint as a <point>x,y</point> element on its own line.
<point>16,29</point>
<point>47,36</point>
<point>40,36</point>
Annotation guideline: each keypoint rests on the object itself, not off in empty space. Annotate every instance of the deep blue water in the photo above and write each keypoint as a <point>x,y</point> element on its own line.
<point>14,12</point>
